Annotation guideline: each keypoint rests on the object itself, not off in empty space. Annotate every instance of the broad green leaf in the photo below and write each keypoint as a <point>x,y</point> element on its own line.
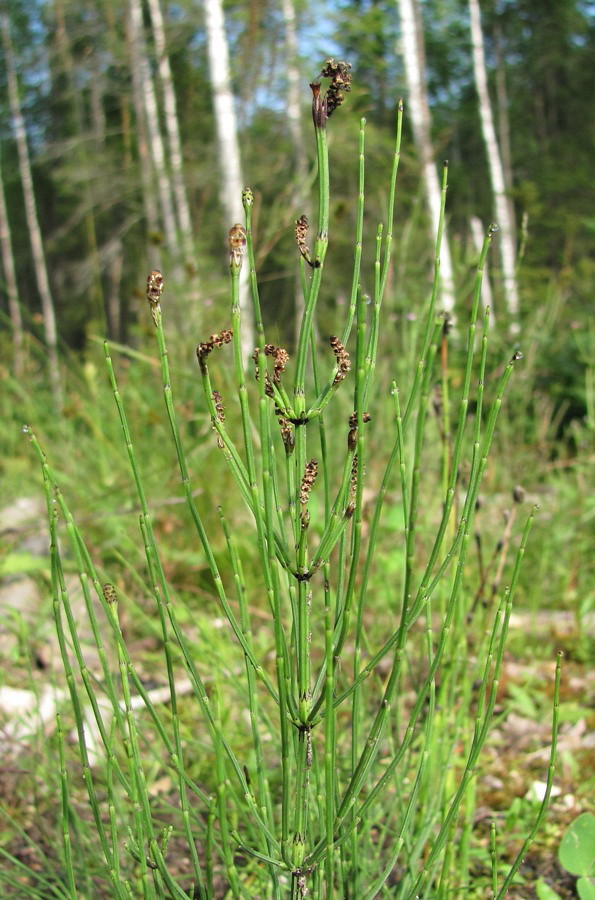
<point>577,850</point>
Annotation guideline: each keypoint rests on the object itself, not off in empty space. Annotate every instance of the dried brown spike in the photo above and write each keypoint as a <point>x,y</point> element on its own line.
<point>518,494</point>
<point>340,75</point>
<point>287,434</point>
<point>281,360</point>
<point>220,409</point>
<point>353,475</point>
<point>308,479</point>
<point>343,360</point>
<point>352,436</point>
<point>217,340</point>
<point>109,593</point>
<point>301,237</point>
<point>301,231</point>
<point>237,245</point>
<point>155,284</point>
<point>237,237</point>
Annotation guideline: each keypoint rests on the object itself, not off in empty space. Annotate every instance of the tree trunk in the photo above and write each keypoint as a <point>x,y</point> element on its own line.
<point>419,111</point>
<point>507,241</point>
<point>146,169</point>
<point>140,64</point>
<point>229,148</point>
<point>14,307</point>
<point>172,131</point>
<point>82,163</point>
<point>39,261</point>
<point>503,121</point>
<point>294,118</point>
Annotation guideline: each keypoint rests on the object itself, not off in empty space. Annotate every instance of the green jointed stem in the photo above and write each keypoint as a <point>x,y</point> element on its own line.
<point>376,730</point>
<point>65,811</point>
<point>320,249</point>
<point>359,233</point>
<point>483,717</point>
<point>428,336</point>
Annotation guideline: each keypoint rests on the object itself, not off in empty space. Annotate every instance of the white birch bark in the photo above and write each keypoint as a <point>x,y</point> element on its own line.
<point>231,184</point>
<point>39,261</point>
<point>172,129</point>
<point>140,62</point>
<point>79,150</point>
<point>506,242</point>
<point>419,112</point>
<point>146,169</point>
<point>10,278</point>
<point>294,119</point>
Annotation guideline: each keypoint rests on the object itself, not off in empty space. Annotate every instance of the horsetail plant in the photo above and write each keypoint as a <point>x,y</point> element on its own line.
<point>345,778</point>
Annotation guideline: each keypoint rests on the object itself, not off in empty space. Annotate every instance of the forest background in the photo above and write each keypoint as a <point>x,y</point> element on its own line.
<point>124,146</point>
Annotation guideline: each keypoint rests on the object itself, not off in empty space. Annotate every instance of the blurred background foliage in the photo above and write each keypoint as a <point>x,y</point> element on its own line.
<point>76,80</point>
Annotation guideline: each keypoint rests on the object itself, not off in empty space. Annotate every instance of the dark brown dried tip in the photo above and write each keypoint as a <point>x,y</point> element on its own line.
<point>219,408</point>
<point>287,434</point>
<point>343,360</point>
<point>340,75</point>
<point>109,593</point>
<point>155,286</point>
<point>237,245</point>
<point>352,436</point>
<point>353,477</point>
<point>281,358</point>
<point>324,105</point>
<point>518,494</point>
<point>205,347</point>
<point>308,479</point>
<point>301,237</point>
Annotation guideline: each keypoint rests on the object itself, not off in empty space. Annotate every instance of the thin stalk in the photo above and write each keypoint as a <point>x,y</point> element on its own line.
<point>411,804</point>
<point>549,784</point>
<point>315,281</point>
<point>428,338</point>
<point>65,812</point>
<point>388,241</point>
<point>232,872</point>
<point>266,807</point>
<point>483,716</point>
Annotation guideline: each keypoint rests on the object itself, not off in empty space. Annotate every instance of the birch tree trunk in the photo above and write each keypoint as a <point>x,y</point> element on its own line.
<point>39,261</point>
<point>502,214</point>
<point>419,112</point>
<point>82,163</point>
<point>140,63</point>
<point>14,307</point>
<point>503,121</point>
<point>172,130</point>
<point>294,119</point>
<point>146,169</point>
<point>231,184</point>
